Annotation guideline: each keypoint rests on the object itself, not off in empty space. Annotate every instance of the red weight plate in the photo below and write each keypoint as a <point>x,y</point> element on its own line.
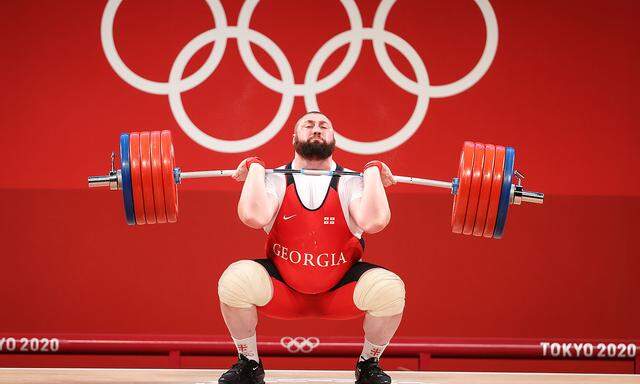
<point>156,172</point>
<point>464,176</point>
<point>496,187</point>
<point>485,190</point>
<point>147,178</point>
<point>136,177</point>
<point>170,186</point>
<point>474,192</point>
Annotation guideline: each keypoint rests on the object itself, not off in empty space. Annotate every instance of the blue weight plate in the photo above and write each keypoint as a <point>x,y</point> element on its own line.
<point>125,171</point>
<point>505,193</point>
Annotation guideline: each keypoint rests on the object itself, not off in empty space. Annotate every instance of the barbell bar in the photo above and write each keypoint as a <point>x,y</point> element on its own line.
<point>483,189</point>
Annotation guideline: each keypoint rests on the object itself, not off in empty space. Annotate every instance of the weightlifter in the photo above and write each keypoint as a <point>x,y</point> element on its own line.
<point>314,227</point>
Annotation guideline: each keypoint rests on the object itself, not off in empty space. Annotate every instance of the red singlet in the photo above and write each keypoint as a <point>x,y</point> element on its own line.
<point>312,249</point>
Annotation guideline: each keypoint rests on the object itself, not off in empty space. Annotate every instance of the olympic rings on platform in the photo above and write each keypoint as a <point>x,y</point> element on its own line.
<point>299,344</point>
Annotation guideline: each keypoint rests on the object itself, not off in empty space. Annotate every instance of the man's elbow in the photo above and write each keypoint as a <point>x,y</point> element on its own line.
<point>377,224</point>
<point>250,218</point>
<point>253,222</point>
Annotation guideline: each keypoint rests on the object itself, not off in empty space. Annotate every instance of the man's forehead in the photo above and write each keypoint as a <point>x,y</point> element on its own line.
<point>314,116</point>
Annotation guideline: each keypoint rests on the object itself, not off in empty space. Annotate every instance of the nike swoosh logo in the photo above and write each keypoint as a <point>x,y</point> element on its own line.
<point>288,217</point>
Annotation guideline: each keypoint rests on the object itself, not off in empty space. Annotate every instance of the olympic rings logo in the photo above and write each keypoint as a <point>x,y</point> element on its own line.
<point>299,344</point>
<point>286,85</point>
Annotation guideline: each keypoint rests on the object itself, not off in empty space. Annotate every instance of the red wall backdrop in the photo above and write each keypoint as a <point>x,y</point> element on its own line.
<point>561,90</point>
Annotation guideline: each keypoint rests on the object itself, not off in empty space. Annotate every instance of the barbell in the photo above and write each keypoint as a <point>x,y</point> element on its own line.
<point>483,189</point>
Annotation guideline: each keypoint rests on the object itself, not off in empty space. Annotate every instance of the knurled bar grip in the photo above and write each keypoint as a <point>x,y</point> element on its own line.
<point>315,172</point>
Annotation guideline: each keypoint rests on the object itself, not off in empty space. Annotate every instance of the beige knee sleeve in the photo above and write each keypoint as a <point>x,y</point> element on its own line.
<point>380,293</point>
<point>244,284</point>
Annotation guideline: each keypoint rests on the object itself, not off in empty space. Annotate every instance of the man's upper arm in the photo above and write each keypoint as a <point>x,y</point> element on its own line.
<point>272,197</point>
<point>272,207</point>
<point>354,211</point>
<point>355,187</point>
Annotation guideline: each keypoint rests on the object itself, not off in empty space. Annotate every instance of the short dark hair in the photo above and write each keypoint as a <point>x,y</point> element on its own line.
<point>310,112</point>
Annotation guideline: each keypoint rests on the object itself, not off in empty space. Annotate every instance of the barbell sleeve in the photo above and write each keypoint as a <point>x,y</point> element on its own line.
<point>101,181</point>
<point>112,180</point>
<point>519,195</point>
<point>533,197</point>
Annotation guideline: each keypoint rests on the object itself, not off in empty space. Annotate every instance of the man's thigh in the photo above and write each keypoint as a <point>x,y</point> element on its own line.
<point>336,304</point>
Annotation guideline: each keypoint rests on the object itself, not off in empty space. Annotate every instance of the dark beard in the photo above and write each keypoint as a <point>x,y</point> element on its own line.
<point>314,150</point>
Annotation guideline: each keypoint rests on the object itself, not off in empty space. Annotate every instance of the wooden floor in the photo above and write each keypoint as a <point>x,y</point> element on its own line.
<point>193,376</point>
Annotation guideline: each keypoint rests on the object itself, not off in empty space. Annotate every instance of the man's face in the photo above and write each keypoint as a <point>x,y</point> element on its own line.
<point>313,137</point>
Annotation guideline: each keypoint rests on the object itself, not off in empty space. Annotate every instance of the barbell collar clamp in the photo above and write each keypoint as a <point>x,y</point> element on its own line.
<point>455,184</point>
<point>519,177</point>
<point>113,180</point>
<point>177,175</point>
<point>113,163</point>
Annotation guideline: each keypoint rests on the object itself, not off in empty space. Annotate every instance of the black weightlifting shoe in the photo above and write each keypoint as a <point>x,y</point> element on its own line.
<point>369,372</point>
<point>245,371</point>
